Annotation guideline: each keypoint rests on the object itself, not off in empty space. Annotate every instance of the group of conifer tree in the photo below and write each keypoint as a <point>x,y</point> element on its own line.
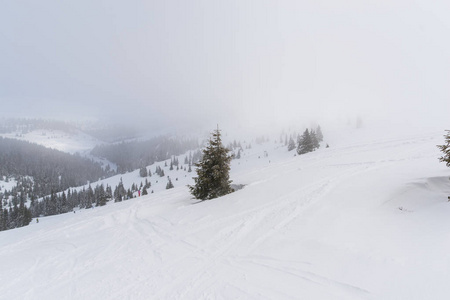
<point>17,215</point>
<point>307,142</point>
<point>212,179</point>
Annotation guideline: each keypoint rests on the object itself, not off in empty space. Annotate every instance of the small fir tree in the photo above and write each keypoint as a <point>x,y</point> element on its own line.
<point>169,184</point>
<point>319,134</point>
<point>143,172</point>
<point>213,169</point>
<point>315,140</point>
<point>291,145</point>
<point>445,149</point>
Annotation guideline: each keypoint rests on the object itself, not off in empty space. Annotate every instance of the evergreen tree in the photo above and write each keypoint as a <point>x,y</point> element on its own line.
<point>4,220</point>
<point>119,192</point>
<point>51,204</point>
<point>169,184</point>
<point>291,145</point>
<point>63,204</point>
<point>315,140</point>
<point>213,169</point>
<point>319,134</point>
<point>305,143</point>
<point>109,192</point>
<point>89,197</point>
<point>445,149</point>
<point>143,172</point>
<point>100,195</point>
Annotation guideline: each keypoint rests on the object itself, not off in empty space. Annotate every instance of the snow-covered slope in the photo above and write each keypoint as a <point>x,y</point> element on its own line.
<point>59,140</point>
<point>364,219</point>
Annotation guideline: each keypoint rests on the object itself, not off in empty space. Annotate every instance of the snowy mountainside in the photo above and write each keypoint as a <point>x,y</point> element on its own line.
<point>366,218</point>
<point>56,139</point>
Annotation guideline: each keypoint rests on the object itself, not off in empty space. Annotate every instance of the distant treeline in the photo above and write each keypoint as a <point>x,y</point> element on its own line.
<point>134,155</point>
<point>22,125</point>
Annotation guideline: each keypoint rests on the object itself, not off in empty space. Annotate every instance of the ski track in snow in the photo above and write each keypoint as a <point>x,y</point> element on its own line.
<point>303,227</point>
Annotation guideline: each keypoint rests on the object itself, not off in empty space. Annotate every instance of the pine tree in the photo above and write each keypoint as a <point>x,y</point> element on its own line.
<point>213,169</point>
<point>305,143</point>
<point>143,172</point>
<point>90,197</point>
<point>51,204</point>
<point>445,149</point>
<point>63,208</point>
<point>169,184</point>
<point>100,195</point>
<point>319,134</point>
<point>109,192</point>
<point>291,145</point>
<point>315,140</point>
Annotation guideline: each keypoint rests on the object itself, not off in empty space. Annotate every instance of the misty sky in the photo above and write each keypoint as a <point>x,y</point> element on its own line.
<point>249,62</point>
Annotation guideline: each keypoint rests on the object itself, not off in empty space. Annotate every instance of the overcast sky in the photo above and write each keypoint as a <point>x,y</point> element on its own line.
<point>249,62</point>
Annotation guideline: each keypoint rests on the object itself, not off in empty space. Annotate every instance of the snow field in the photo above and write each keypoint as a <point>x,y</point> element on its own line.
<point>364,219</point>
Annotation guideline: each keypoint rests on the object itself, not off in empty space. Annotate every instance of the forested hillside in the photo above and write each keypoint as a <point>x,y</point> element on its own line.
<point>133,155</point>
<point>43,170</point>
